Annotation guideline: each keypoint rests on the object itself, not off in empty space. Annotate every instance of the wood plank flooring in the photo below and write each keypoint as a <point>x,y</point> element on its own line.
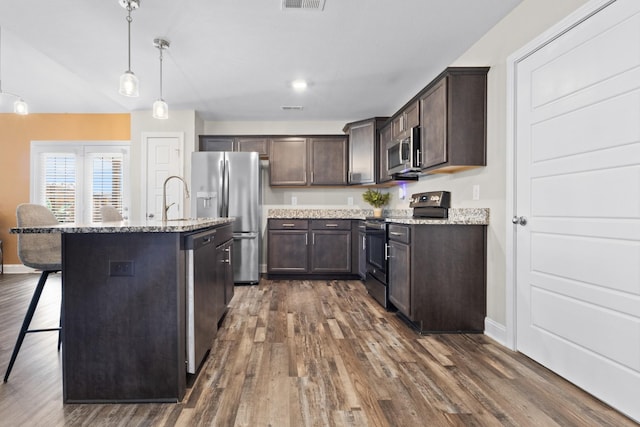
<point>305,353</point>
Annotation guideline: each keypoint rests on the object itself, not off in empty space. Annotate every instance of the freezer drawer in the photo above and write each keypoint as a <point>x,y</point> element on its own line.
<point>246,257</point>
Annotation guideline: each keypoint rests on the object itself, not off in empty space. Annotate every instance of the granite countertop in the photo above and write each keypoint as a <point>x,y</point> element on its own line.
<point>457,216</point>
<point>148,226</point>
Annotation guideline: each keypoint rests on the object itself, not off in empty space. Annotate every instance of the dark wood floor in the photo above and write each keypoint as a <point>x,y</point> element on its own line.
<point>306,353</point>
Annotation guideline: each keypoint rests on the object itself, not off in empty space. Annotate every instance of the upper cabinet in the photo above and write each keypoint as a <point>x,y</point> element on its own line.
<point>385,137</point>
<point>258,144</point>
<point>288,162</point>
<point>453,121</point>
<point>408,118</point>
<point>320,160</point>
<point>328,159</point>
<point>363,149</point>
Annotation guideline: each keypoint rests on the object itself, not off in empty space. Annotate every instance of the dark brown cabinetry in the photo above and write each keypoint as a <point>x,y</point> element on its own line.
<point>328,159</point>
<point>453,121</point>
<point>320,160</point>
<point>233,143</point>
<point>363,150</point>
<point>437,276</point>
<point>383,165</point>
<point>408,118</point>
<point>309,247</point>
<point>288,162</point>
<point>360,248</point>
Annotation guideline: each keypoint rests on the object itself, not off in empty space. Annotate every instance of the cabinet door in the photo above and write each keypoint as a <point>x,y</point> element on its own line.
<point>433,135</point>
<point>399,277</point>
<point>328,161</point>
<point>287,251</point>
<point>259,145</point>
<point>383,167</point>
<point>412,116</point>
<point>331,251</point>
<point>288,161</point>
<point>211,143</point>
<point>362,146</point>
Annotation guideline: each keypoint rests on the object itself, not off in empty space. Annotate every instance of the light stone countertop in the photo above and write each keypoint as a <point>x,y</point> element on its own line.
<point>457,216</point>
<point>148,226</point>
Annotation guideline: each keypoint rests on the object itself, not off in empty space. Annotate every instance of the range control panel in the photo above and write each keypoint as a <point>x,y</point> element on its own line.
<point>438,199</point>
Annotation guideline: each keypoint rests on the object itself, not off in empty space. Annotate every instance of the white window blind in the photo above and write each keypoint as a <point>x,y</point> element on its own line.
<point>58,186</point>
<point>107,177</point>
<point>75,179</point>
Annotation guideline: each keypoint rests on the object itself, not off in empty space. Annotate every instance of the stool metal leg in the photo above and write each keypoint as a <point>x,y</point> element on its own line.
<point>27,321</point>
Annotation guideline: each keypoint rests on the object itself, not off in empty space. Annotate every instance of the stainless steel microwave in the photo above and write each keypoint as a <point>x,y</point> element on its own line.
<point>403,155</point>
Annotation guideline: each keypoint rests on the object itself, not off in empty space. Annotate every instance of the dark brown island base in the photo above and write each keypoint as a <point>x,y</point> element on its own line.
<point>139,307</point>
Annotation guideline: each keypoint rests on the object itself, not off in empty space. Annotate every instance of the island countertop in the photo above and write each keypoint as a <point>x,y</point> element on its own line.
<point>145,226</point>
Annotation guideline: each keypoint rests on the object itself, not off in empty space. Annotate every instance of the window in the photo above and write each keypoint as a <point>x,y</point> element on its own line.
<point>75,179</point>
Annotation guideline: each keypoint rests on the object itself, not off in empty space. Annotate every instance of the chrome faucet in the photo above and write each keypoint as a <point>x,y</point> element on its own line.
<point>165,208</point>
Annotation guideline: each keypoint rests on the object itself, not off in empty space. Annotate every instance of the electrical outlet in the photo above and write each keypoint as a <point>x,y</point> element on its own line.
<point>294,200</point>
<point>121,268</point>
<point>350,201</point>
<point>476,192</point>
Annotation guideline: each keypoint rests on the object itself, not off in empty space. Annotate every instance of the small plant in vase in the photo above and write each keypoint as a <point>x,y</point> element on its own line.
<point>377,199</point>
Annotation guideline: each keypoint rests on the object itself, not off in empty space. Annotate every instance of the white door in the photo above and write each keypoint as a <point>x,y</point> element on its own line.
<point>163,159</point>
<point>577,142</point>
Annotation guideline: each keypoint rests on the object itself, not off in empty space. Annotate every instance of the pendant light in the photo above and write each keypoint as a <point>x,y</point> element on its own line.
<point>128,80</point>
<point>160,107</point>
<point>19,106</point>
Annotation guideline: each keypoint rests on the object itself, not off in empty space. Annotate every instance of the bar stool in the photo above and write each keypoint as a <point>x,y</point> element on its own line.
<point>41,251</point>
<point>110,213</point>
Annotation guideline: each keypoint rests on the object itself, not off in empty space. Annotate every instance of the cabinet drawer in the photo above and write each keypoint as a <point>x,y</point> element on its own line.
<point>400,233</point>
<point>288,224</point>
<point>331,224</point>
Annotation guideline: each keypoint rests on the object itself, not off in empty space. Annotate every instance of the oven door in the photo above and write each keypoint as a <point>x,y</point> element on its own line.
<point>376,247</point>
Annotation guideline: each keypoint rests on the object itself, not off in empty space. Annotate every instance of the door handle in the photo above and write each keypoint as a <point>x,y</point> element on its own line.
<point>522,220</point>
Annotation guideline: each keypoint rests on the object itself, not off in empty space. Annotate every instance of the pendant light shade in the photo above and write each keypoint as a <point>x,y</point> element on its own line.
<point>160,107</point>
<point>20,107</point>
<point>128,80</point>
<point>160,110</point>
<point>129,84</point>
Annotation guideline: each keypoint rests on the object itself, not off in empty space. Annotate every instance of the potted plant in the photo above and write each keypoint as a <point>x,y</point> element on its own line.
<point>377,199</point>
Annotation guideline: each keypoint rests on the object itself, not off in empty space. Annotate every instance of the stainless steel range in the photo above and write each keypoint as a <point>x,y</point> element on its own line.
<point>377,250</point>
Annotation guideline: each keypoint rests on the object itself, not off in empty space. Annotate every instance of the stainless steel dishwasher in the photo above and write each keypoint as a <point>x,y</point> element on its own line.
<point>202,298</point>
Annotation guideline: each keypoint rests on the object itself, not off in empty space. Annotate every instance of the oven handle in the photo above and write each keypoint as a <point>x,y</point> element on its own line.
<point>386,251</point>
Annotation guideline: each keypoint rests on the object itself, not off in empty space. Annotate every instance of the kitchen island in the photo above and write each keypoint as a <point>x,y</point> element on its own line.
<point>125,307</point>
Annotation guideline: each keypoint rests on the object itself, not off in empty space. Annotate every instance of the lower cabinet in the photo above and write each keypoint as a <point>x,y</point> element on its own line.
<point>437,276</point>
<point>309,247</point>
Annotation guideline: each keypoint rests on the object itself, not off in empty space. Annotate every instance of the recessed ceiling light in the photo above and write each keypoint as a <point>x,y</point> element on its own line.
<point>299,85</point>
<point>292,107</point>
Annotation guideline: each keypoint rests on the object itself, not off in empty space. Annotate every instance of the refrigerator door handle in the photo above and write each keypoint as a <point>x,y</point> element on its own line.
<point>225,189</point>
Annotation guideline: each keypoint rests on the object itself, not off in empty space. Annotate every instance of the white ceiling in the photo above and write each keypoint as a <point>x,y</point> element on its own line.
<point>234,59</point>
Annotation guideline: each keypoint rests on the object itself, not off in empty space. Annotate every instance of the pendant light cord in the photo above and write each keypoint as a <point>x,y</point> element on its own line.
<point>129,33</point>
<point>161,49</point>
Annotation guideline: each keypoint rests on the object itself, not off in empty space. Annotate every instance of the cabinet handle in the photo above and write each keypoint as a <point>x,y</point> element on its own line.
<point>364,243</point>
<point>386,251</point>
<point>306,240</point>
<point>393,233</point>
<point>288,224</point>
<point>331,225</point>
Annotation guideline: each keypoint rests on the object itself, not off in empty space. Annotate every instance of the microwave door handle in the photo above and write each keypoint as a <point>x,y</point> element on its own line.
<point>400,159</point>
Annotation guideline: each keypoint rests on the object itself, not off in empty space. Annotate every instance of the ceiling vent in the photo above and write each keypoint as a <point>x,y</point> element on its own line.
<point>291,107</point>
<point>303,4</point>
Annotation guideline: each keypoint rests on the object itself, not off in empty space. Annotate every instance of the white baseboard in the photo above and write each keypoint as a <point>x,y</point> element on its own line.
<point>495,331</point>
<point>17,269</point>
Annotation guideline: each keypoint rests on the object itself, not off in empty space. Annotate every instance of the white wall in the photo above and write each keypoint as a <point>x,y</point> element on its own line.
<point>141,122</point>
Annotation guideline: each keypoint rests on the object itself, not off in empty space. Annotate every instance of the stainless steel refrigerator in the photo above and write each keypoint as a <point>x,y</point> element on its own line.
<point>226,184</point>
